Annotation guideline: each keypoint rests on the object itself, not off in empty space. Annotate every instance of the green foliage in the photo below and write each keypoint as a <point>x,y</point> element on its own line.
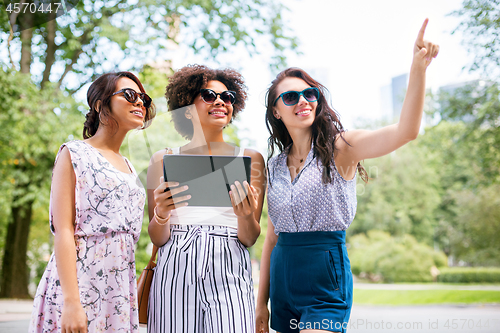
<point>155,80</point>
<point>470,275</point>
<point>447,181</point>
<point>481,26</point>
<point>97,36</point>
<point>34,124</point>
<point>467,215</point>
<point>40,242</point>
<point>401,196</point>
<point>475,236</point>
<point>379,256</point>
<point>477,107</point>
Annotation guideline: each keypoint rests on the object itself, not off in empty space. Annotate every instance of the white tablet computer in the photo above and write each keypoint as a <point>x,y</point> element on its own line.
<point>209,177</point>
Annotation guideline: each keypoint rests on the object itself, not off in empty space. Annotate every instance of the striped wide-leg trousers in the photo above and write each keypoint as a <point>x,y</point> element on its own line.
<point>202,283</point>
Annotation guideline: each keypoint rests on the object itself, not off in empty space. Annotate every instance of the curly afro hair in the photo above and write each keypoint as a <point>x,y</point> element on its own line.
<point>185,85</point>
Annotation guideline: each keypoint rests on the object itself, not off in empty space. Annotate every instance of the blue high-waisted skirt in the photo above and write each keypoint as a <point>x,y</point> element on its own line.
<point>310,282</point>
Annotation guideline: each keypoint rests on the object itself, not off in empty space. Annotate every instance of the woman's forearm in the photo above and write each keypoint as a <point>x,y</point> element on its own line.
<point>158,232</point>
<point>65,255</point>
<point>248,230</point>
<point>413,105</point>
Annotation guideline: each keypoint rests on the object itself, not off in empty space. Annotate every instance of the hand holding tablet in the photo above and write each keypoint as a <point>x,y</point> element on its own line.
<point>244,198</point>
<point>165,200</point>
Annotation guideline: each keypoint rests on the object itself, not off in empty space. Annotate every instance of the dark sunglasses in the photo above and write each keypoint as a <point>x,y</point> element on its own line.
<point>292,97</point>
<point>131,96</point>
<point>209,96</point>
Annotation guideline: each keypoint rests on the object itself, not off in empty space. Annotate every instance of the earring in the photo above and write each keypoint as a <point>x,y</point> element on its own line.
<point>277,116</point>
<point>102,122</point>
<point>189,116</point>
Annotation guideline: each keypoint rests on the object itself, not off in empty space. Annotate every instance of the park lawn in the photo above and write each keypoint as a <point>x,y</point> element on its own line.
<point>411,297</point>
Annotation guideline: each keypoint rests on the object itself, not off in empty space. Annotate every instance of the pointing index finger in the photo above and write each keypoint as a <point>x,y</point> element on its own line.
<point>420,37</point>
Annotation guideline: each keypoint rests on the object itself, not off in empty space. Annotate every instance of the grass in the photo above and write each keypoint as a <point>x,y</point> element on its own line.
<point>414,297</point>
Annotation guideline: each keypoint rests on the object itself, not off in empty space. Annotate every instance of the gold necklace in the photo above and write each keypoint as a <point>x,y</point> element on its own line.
<point>298,159</point>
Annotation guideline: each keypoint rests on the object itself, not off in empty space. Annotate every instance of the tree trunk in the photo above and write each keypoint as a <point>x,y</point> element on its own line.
<point>51,47</point>
<point>15,273</point>
<point>26,38</point>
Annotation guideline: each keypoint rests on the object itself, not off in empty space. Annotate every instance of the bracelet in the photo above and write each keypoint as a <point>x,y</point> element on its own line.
<point>159,220</point>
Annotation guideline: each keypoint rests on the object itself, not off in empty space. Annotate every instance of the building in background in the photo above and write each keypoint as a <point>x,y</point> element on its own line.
<point>392,97</point>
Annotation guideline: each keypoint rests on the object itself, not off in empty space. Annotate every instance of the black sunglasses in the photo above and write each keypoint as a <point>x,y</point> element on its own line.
<point>292,97</point>
<point>209,96</point>
<point>131,96</point>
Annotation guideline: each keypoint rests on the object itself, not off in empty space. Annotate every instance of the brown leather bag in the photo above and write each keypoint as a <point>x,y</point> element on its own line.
<point>143,286</point>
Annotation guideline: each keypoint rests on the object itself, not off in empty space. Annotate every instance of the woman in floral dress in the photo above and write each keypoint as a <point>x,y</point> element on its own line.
<point>96,212</point>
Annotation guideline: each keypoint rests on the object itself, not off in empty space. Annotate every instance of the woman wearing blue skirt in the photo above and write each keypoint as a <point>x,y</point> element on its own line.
<point>305,270</point>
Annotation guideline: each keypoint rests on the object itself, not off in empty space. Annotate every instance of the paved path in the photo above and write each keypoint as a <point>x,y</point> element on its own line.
<point>14,318</point>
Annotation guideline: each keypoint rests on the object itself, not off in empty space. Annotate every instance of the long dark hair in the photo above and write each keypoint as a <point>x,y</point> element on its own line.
<point>325,127</point>
<point>101,90</point>
<point>185,85</point>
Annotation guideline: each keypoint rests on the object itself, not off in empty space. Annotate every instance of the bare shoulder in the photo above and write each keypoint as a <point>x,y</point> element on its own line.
<point>255,155</point>
<point>63,168</point>
<point>158,156</point>
<point>64,159</point>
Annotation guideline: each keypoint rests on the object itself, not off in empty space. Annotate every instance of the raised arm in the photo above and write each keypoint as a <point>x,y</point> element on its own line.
<point>366,144</point>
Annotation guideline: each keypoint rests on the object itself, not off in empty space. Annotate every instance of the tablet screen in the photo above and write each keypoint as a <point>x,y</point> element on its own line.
<point>209,177</point>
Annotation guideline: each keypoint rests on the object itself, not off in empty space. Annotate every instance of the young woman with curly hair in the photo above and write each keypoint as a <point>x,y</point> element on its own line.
<point>203,281</point>
<point>96,213</point>
<point>305,270</point>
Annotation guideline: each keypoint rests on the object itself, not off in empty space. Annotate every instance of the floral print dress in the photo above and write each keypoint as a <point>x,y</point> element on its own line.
<point>109,212</point>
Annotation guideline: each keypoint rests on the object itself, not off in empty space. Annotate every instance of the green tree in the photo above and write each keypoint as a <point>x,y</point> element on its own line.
<point>478,103</point>
<point>67,53</point>
<point>476,236</point>
<point>31,134</point>
<point>467,218</point>
<point>480,27</point>
<point>401,196</point>
<point>97,36</point>
<point>477,107</point>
